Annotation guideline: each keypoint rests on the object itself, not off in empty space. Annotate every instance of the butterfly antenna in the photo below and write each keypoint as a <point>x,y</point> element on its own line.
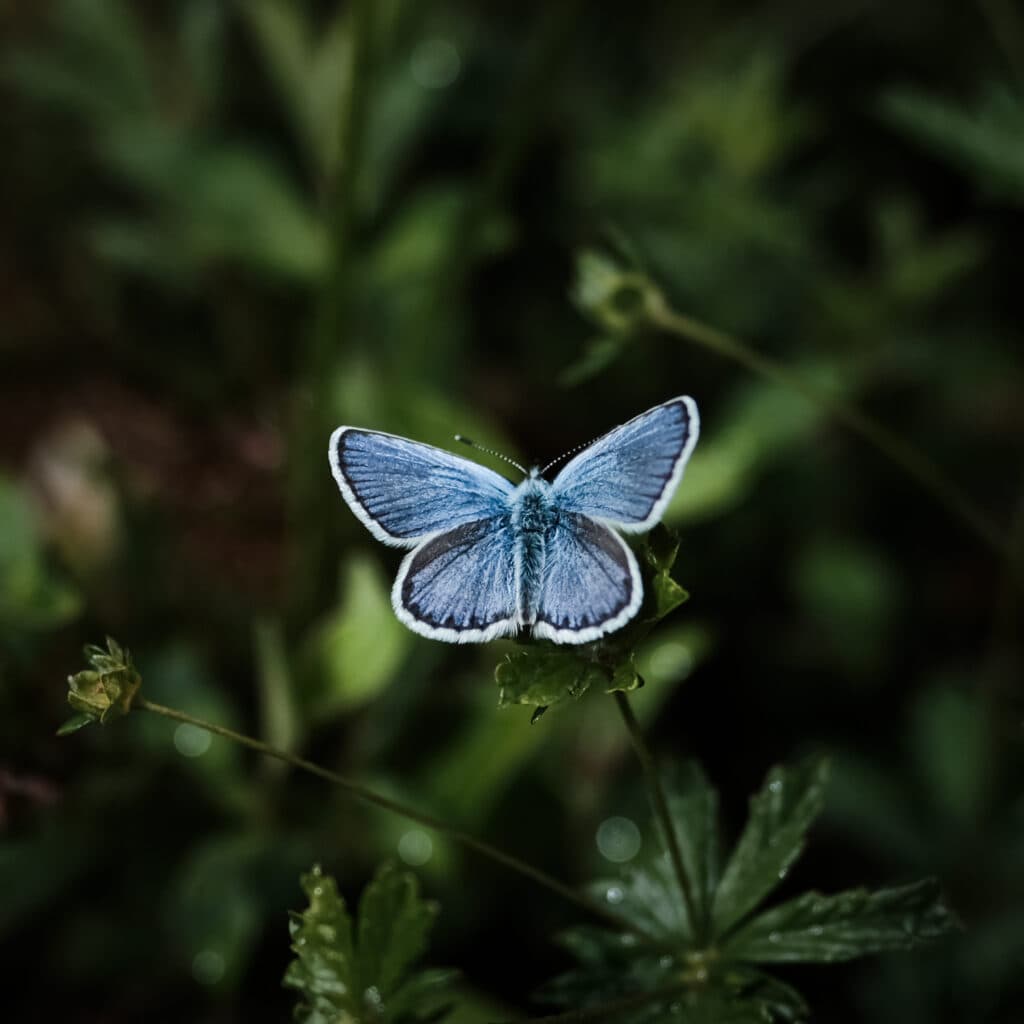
<point>490,451</point>
<point>565,455</point>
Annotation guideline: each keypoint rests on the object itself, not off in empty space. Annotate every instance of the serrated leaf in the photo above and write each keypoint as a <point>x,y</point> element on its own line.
<point>781,1002</point>
<point>780,815</point>
<point>541,678</point>
<point>649,898</point>
<point>823,929</point>
<point>693,806</point>
<point>393,926</point>
<point>351,972</point>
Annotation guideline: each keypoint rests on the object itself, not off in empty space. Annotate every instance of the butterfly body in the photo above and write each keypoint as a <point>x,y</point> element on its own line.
<point>533,519</point>
<point>491,558</point>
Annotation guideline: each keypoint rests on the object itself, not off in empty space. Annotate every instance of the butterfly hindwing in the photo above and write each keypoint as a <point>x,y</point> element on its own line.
<point>459,586</point>
<point>591,583</point>
<point>404,491</point>
<point>627,477</point>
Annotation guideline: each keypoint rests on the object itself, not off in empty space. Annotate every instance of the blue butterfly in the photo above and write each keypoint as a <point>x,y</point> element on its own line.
<point>490,558</point>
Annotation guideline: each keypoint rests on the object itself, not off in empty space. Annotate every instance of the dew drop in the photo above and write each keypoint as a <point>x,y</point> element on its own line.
<point>614,894</point>
<point>775,785</point>
<point>775,937</point>
<point>318,890</point>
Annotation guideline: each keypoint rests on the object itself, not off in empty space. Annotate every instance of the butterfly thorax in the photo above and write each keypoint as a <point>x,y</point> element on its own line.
<point>532,507</point>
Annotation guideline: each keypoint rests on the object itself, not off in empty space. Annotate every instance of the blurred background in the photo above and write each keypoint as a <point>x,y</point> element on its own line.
<point>213,251</point>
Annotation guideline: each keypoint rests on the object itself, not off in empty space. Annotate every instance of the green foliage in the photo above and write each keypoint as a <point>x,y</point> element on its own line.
<point>351,656</point>
<point>351,971</point>
<point>773,839</point>
<point>708,969</point>
<point>106,689</point>
<point>985,141</point>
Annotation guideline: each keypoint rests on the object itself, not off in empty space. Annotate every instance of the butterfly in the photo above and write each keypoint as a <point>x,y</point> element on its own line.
<point>491,558</point>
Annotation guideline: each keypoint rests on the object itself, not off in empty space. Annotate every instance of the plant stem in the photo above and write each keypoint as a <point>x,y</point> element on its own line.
<point>612,1009</point>
<point>650,769</point>
<point>311,484</point>
<point>912,461</point>
<point>369,796</point>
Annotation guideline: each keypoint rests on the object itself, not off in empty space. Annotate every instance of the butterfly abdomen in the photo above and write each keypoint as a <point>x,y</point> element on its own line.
<point>534,518</point>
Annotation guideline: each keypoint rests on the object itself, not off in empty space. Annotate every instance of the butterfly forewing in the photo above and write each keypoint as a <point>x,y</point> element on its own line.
<point>403,491</point>
<point>627,477</point>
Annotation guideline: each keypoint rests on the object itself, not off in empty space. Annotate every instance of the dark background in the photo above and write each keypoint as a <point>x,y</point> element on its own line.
<point>190,302</point>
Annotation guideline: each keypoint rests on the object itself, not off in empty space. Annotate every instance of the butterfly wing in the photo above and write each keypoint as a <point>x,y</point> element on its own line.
<point>591,584</point>
<point>403,491</point>
<point>627,477</point>
<point>459,585</point>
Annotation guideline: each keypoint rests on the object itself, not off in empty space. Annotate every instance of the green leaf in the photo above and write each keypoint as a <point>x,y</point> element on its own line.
<point>659,552</point>
<point>985,141</point>
<point>394,923</point>
<point>354,654</point>
<point>323,969</point>
<point>668,595</point>
<point>74,723</point>
<point>351,972</point>
<point>541,678</point>
<point>780,816</point>
<point>649,898</point>
<point>823,929</point>
<point>625,678</point>
<point>693,807</point>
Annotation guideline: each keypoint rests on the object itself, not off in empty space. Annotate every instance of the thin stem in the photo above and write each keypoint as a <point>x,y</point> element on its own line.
<point>646,758</point>
<point>612,1009</point>
<point>911,460</point>
<point>369,796</point>
<point>312,485</point>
